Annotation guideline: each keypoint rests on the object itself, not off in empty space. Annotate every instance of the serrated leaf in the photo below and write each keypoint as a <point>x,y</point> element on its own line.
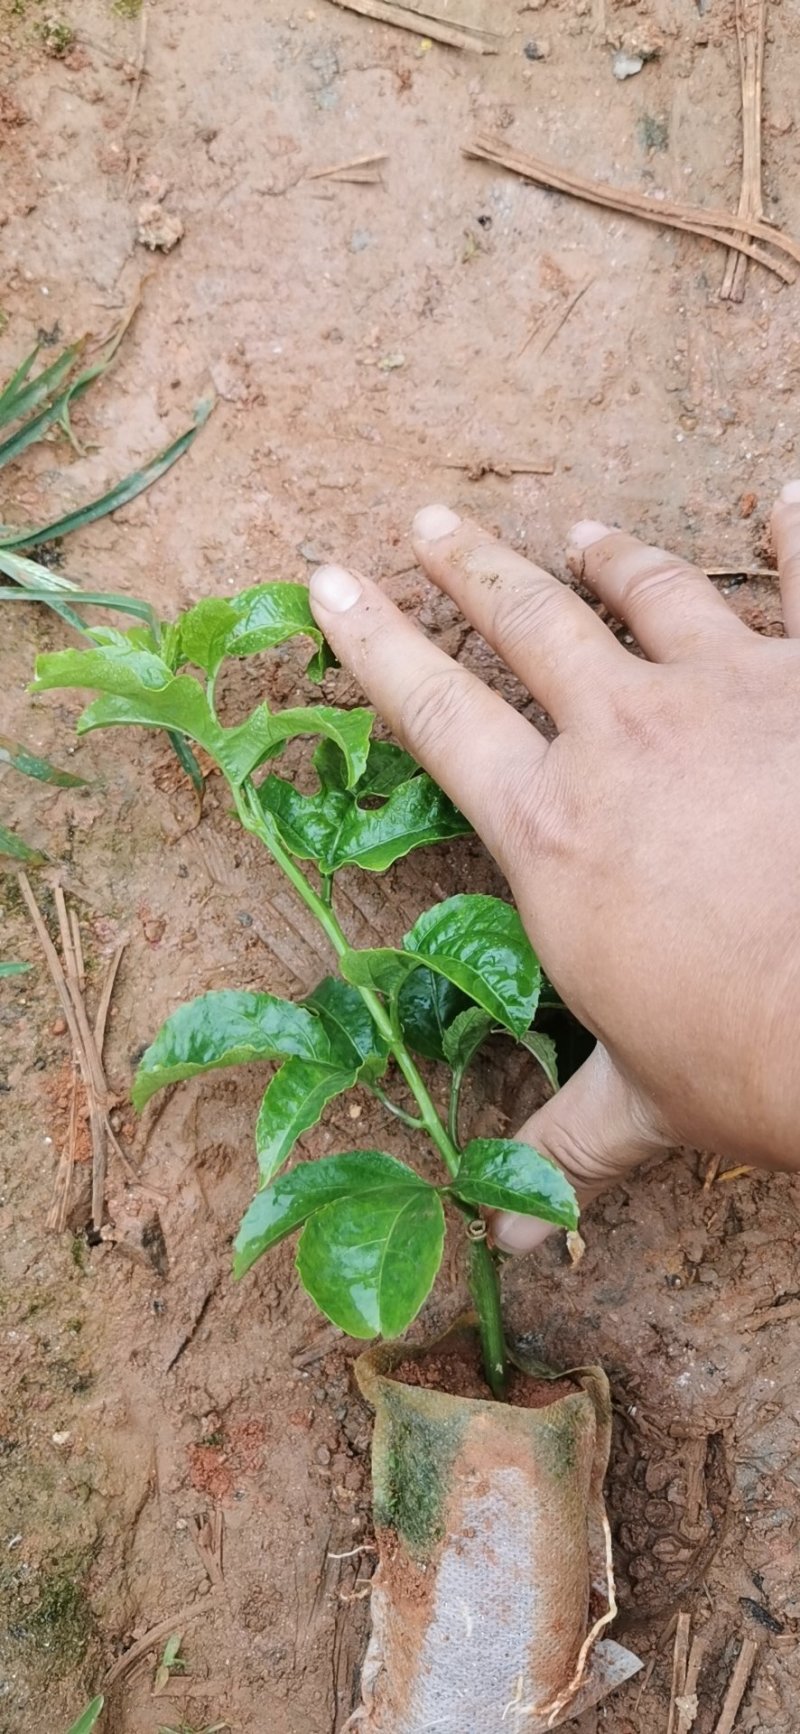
<point>227,1028</point>
<point>258,619</point>
<point>354,1037</point>
<point>7,969</point>
<point>508,1175</point>
<point>17,849</point>
<point>293,1102</point>
<point>369,1263</point>
<point>289,1201</point>
<point>427,1004</point>
<point>463,1037</point>
<point>90,1716</point>
<point>30,765</point>
<point>480,944</point>
<point>543,1049</point>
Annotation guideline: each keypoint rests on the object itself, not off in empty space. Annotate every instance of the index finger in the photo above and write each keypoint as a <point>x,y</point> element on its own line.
<point>479,750</point>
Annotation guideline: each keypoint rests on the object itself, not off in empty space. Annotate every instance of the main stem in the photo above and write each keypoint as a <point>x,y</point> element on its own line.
<point>484,1283</point>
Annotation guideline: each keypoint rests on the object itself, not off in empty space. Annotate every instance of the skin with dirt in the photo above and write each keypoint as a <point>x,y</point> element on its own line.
<point>175,1448</point>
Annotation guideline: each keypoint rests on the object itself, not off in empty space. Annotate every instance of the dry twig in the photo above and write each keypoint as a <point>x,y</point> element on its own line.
<point>750,33</point>
<point>737,1687</point>
<point>364,170</point>
<point>424,23</point>
<point>164,1629</point>
<point>680,1657</point>
<point>712,225</point>
<point>687,1705</point>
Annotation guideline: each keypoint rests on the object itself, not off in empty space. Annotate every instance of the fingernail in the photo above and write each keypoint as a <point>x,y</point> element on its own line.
<point>434,522</point>
<point>335,589</point>
<point>790,493</point>
<point>516,1233</point>
<point>588,531</point>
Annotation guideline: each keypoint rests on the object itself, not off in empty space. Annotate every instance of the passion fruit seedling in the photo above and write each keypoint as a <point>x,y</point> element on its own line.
<point>372,1229</point>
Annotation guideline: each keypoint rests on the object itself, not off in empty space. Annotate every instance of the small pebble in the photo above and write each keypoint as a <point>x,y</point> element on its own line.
<point>626,65</point>
<point>323,1455</point>
<point>58,1027</point>
<point>61,1438</point>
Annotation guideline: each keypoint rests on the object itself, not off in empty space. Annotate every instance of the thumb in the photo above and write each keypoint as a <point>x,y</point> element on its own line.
<point>596,1128</point>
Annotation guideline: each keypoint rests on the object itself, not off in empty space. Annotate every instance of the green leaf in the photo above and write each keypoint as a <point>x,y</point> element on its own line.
<point>119,495</point>
<point>86,1722</point>
<point>543,1049</point>
<point>11,392</point>
<point>120,667</point>
<point>480,944</point>
<point>7,969</point>
<point>293,1101</point>
<point>280,1208</point>
<point>227,1029</point>
<point>16,849</point>
<point>331,828</point>
<point>355,1039</point>
<point>246,747</point>
<point>507,1175</point>
<point>370,1262</point>
<point>258,619</point>
<point>19,398</point>
<point>12,753</point>
<point>387,767</point>
<point>427,1004</point>
<point>463,1037</point>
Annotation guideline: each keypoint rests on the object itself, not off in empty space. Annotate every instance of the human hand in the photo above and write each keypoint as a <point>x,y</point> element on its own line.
<point>653,848</point>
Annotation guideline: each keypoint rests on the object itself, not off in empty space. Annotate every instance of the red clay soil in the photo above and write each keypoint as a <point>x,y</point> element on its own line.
<point>458,1373</point>
<point>372,347</point>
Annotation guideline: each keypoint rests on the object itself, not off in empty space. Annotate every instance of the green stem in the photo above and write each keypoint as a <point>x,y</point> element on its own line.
<point>484,1284</point>
<point>452,1111</point>
<point>394,1108</point>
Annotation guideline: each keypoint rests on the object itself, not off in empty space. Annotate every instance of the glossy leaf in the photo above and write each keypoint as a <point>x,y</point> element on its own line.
<point>91,1715</point>
<point>17,849</point>
<point>333,830</point>
<point>293,1101</point>
<point>480,944</point>
<point>508,1175</point>
<point>427,1004</point>
<point>280,1208</point>
<point>227,1029</point>
<point>181,708</point>
<point>354,1037</point>
<point>118,665</point>
<point>463,1037</point>
<point>381,968</point>
<point>387,767</point>
<point>369,1262</point>
<point>246,747</point>
<point>30,765</point>
<point>258,619</point>
<point>543,1049</point>
<point>7,969</point>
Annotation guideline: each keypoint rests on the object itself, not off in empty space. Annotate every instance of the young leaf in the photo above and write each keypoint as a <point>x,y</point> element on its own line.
<point>369,1262</point>
<point>508,1175</point>
<point>480,944</point>
<point>278,1209</point>
<point>227,1029</point>
<point>382,968</point>
<point>7,969</point>
<point>18,850</point>
<point>258,619</point>
<point>12,753</point>
<point>427,1004</point>
<point>463,1037</point>
<point>292,1102</point>
<point>246,747</point>
<point>117,666</point>
<point>181,708</point>
<point>354,1037</point>
<point>543,1049</point>
<point>90,1716</point>
<point>331,829</point>
<point>387,767</point>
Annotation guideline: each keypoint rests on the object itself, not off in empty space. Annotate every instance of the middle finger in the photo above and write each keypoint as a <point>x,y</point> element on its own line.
<point>542,630</point>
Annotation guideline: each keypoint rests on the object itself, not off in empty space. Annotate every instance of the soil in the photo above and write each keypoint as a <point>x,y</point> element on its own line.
<point>459,1373</point>
<point>177,1448</point>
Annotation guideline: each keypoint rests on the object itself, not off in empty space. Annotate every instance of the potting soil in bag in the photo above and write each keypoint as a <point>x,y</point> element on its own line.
<point>495,1580</point>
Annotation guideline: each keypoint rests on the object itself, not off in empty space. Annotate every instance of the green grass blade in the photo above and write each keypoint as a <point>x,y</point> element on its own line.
<point>31,573</point>
<point>86,1722</point>
<point>30,765</point>
<point>64,612</point>
<point>187,760</point>
<point>42,387</point>
<point>117,496</point>
<point>7,969</point>
<point>17,849</point>
<point>10,391</point>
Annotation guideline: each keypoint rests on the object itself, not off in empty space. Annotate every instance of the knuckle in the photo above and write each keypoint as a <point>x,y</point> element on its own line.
<point>524,613</point>
<point>657,583</point>
<point>536,810</point>
<point>437,708</point>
